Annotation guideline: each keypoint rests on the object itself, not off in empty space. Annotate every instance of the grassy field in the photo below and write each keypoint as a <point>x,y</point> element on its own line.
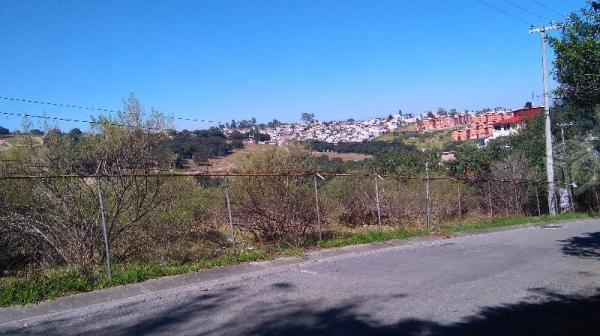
<point>422,140</point>
<point>229,162</point>
<point>344,156</point>
<point>62,281</point>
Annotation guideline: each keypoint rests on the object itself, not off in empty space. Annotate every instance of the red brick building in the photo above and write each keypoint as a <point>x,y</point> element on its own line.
<point>443,122</point>
<point>483,125</point>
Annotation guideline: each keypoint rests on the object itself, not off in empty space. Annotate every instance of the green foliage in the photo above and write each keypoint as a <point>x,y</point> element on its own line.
<point>337,165</point>
<point>62,281</point>
<point>370,236</point>
<point>199,145</point>
<point>577,59</point>
<point>406,162</point>
<point>476,162</point>
<point>367,147</point>
<point>421,140</point>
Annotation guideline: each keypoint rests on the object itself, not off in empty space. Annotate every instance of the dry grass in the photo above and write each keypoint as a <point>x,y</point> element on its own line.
<point>344,156</point>
<point>422,140</point>
<point>229,162</point>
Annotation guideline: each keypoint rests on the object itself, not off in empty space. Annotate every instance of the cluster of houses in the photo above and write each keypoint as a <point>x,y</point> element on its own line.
<point>491,125</point>
<point>335,131</point>
<point>443,122</point>
<point>481,126</point>
<point>484,126</point>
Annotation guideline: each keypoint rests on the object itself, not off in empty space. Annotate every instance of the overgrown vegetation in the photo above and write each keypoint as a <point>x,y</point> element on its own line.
<point>56,282</point>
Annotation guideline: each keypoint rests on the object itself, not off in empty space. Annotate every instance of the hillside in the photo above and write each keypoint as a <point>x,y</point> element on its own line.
<point>422,140</point>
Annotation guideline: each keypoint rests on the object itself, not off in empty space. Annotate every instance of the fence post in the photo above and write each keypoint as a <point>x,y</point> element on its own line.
<point>537,198</point>
<point>377,202</point>
<point>428,198</point>
<point>104,230</point>
<point>231,228</point>
<point>317,205</point>
<point>489,187</point>
<point>459,199</point>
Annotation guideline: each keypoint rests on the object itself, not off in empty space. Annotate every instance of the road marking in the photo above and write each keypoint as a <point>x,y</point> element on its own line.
<point>308,272</point>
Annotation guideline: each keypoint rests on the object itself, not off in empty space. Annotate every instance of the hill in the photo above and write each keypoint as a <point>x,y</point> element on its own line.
<point>422,140</point>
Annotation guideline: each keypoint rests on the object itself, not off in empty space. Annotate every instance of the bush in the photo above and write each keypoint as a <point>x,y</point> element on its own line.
<point>279,208</point>
<point>350,201</point>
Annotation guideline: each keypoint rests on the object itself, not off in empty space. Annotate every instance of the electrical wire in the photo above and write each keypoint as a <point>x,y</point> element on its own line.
<point>539,3</point>
<point>504,12</point>
<point>31,101</point>
<point>526,10</point>
<point>91,122</point>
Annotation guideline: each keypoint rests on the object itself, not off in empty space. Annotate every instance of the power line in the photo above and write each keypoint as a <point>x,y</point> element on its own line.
<point>539,3</point>
<point>20,100</point>
<point>31,101</point>
<point>91,122</point>
<point>503,12</point>
<point>526,10</point>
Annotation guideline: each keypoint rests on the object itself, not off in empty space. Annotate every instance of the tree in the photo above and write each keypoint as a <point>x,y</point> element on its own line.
<point>577,60</point>
<point>75,133</point>
<point>307,118</point>
<point>4,131</point>
<point>62,214</point>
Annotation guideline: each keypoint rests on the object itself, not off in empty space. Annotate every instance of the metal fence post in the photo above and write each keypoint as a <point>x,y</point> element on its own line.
<point>231,228</point>
<point>377,201</point>
<point>459,199</point>
<point>428,198</point>
<point>537,199</point>
<point>104,230</point>
<point>317,205</point>
<point>489,187</point>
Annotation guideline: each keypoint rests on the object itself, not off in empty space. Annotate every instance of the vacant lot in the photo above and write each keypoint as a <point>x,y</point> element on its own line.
<point>422,140</point>
<point>344,156</point>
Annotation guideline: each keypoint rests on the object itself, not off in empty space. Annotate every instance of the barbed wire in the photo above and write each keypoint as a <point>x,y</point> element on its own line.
<point>256,174</point>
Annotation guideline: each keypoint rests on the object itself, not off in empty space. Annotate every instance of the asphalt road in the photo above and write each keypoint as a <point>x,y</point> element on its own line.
<point>527,281</point>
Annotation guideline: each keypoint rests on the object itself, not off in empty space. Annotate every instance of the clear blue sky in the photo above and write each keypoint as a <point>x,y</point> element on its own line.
<point>228,60</point>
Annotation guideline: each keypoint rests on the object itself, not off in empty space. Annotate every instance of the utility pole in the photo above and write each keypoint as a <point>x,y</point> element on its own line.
<point>549,159</point>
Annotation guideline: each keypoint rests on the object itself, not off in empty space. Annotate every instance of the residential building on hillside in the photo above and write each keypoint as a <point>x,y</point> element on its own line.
<point>491,125</point>
<point>333,131</point>
<point>443,122</point>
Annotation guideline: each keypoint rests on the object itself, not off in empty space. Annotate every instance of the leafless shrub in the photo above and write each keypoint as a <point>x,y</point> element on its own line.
<point>275,208</point>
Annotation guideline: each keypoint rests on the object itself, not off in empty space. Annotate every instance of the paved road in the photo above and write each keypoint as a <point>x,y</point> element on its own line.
<point>525,281</point>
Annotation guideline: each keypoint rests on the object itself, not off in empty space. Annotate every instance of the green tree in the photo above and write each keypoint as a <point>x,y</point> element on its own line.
<point>577,63</point>
<point>307,118</point>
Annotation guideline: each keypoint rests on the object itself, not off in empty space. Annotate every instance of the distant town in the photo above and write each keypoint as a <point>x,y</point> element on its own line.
<point>482,125</point>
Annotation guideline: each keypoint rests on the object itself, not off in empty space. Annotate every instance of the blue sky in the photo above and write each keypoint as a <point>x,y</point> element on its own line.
<point>226,60</point>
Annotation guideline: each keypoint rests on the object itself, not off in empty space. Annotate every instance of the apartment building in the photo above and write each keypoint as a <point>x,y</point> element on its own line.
<point>491,125</point>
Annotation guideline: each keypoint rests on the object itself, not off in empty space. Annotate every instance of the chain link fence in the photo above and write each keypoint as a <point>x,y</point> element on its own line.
<point>182,218</point>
